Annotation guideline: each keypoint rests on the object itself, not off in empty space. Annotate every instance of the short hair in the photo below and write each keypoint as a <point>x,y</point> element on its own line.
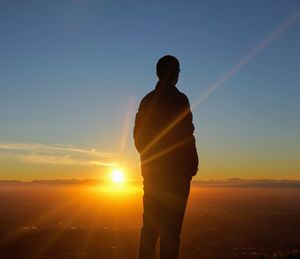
<point>167,67</point>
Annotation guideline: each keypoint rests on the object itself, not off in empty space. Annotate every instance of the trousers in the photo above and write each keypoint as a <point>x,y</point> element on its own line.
<point>165,199</point>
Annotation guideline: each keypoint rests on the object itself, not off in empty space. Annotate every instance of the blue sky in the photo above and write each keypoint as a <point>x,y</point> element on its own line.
<point>73,73</point>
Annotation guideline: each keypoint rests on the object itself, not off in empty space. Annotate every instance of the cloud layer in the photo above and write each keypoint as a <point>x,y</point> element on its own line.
<point>55,154</point>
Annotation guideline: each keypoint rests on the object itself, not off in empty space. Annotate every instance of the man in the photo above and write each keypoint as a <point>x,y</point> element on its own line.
<point>163,135</point>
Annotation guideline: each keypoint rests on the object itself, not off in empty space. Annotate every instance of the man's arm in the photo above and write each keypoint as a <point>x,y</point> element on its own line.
<point>187,131</point>
<point>137,128</point>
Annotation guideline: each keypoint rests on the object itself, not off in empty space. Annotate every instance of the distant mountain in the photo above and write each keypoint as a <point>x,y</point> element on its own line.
<point>69,181</point>
<point>238,182</point>
<point>10,182</point>
<point>232,182</point>
<point>55,182</point>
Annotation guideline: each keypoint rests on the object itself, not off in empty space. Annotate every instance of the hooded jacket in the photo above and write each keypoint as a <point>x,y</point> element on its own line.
<point>163,133</point>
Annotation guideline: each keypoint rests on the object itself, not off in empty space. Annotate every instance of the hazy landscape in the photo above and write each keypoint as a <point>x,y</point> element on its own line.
<point>90,219</point>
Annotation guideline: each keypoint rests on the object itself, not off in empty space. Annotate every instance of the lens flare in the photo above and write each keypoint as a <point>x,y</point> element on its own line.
<point>117,176</point>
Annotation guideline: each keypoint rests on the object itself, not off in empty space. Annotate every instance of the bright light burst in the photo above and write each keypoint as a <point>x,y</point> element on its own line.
<point>117,176</point>
<point>118,184</point>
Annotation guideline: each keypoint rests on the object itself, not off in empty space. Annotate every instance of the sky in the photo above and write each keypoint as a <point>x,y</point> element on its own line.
<point>73,74</point>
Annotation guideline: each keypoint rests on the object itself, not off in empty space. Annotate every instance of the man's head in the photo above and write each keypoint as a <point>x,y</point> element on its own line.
<point>167,69</point>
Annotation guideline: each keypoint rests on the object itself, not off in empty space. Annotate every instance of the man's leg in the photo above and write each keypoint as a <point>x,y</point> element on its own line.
<point>174,203</point>
<point>150,229</point>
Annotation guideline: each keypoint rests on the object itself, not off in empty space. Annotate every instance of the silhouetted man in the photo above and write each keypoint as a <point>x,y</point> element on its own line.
<point>163,135</point>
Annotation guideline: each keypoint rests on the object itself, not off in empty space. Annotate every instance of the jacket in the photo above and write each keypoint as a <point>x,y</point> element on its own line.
<point>163,133</point>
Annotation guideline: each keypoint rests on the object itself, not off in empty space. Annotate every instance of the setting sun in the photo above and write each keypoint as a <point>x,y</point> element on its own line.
<point>117,176</point>
<point>118,183</point>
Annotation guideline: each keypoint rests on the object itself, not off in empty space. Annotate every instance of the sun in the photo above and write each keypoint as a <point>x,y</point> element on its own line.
<point>117,176</point>
<point>117,182</point>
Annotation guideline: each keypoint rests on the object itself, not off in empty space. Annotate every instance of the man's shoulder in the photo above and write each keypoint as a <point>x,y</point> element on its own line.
<point>148,97</point>
<point>181,96</point>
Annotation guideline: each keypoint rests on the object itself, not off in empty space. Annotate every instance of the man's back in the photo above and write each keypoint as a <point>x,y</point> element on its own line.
<point>163,132</point>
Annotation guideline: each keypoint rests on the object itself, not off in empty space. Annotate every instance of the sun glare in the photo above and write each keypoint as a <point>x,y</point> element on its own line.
<point>118,183</point>
<point>117,176</point>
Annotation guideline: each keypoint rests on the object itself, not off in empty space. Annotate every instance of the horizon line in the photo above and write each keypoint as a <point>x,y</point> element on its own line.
<point>231,182</point>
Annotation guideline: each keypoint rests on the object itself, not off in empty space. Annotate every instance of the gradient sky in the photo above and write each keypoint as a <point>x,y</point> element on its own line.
<point>73,73</point>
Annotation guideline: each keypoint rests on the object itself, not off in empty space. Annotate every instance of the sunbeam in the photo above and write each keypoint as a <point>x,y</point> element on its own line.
<point>253,53</point>
<point>18,233</point>
<point>71,219</point>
